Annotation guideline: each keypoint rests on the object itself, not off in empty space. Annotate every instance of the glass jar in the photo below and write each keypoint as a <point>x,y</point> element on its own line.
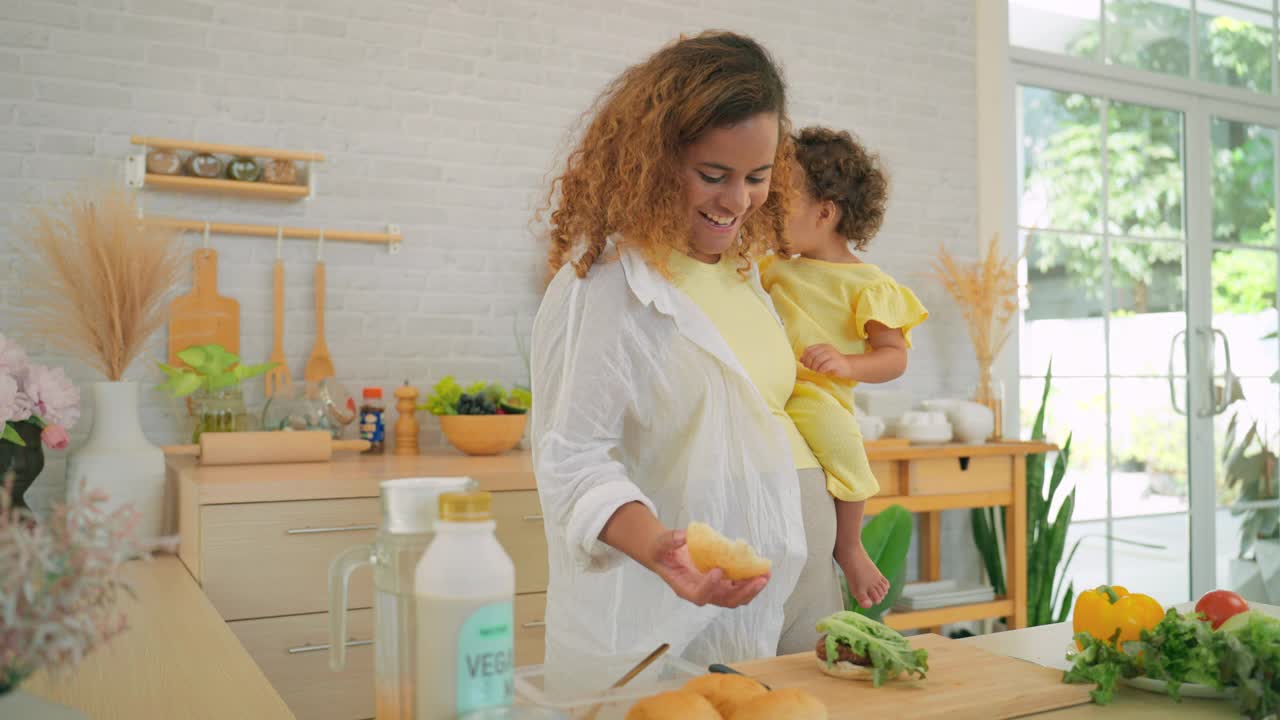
<point>219,411</point>
<point>990,392</point>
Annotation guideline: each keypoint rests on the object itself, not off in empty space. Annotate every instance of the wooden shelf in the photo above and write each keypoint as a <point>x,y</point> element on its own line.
<point>219,149</point>
<point>1000,607</point>
<point>932,503</point>
<point>236,187</point>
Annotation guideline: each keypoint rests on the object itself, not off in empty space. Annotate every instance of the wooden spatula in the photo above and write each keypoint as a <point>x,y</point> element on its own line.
<point>203,316</point>
<point>277,378</point>
<point>319,365</point>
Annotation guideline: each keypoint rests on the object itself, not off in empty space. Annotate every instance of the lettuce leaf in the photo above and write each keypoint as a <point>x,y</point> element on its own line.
<point>890,653</point>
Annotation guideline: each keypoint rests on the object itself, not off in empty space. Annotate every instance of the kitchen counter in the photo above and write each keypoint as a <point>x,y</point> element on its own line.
<point>178,659</point>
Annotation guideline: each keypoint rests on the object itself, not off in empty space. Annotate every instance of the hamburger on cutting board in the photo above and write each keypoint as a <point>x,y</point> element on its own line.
<point>855,647</point>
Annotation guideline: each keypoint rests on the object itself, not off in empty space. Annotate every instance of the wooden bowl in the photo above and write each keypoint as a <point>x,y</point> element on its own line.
<point>483,434</point>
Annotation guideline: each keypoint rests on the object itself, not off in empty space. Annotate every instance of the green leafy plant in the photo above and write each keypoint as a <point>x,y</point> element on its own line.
<point>887,539</point>
<point>480,398</point>
<point>209,368</point>
<point>1046,537</point>
<point>1250,464</point>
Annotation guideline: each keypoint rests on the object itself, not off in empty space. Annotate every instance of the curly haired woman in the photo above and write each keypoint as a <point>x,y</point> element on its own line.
<point>661,373</point>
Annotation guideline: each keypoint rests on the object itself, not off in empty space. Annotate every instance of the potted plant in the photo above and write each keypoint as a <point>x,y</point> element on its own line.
<point>62,580</point>
<point>212,380</point>
<point>1250,464</point>
<point>483,418</point>
<point>37,406</point>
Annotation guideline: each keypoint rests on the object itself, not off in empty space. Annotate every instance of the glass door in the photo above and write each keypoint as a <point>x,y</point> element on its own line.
<point>1244,398</point>
<point>1102,216</point>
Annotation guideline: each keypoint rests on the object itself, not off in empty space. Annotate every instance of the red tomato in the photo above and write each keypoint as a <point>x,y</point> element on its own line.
<point>1219,605</point>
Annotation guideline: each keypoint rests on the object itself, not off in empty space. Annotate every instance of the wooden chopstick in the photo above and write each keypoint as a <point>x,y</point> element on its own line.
<point>631,674</point>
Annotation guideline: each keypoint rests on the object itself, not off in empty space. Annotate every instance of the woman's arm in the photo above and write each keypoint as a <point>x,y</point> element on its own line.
<point>885,361</point>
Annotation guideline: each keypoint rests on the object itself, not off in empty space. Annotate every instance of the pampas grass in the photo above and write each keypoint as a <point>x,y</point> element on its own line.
<point>99,276</point>
<point>987,293</point>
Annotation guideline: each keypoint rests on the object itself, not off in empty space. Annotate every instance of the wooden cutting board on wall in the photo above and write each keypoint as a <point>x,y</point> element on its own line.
<point>203,316</point>
<point>963,683</point>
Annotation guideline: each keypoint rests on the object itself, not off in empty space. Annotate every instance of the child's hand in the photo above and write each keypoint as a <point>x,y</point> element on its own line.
<point>827,360</point>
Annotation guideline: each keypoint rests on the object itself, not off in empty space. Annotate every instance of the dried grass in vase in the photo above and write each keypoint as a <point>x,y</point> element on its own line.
<point>100,276</point>
<point>987,293</point>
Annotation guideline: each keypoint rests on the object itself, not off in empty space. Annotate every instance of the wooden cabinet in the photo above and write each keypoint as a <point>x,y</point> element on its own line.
<point>259,540</point>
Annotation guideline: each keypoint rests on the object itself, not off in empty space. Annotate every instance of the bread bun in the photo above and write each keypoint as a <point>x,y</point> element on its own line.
<point>846,670</point>
<point>709,549</point>
<point>676,705</point>
<point>725,692</point>
<point>785,704</point>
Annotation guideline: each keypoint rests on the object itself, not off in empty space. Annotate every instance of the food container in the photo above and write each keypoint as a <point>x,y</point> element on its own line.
<point>164,162</point>
<point>204,165</point>
<point>244,169</point>
<point>666,673</point>
<point>280,172</point>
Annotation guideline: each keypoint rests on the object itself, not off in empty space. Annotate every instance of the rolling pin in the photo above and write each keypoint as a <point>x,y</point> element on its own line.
<point>260,448</point>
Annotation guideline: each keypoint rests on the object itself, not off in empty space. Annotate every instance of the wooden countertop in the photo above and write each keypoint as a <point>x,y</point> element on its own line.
<point>348,475</point>
<point>354,475</point>
<point>178,659</point>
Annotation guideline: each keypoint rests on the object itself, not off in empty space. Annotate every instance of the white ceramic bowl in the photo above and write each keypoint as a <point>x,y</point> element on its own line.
<point>924,426</point>
<point>872,427</point>
<point>971,422</point>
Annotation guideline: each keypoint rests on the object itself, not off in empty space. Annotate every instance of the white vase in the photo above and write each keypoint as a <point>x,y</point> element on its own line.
<point>119,460</point>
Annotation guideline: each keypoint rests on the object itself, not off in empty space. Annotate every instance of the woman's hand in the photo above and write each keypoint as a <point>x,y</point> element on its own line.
<point>670,560</point>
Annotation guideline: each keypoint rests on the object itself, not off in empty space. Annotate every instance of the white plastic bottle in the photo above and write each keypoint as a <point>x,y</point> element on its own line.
<point>464,587</point>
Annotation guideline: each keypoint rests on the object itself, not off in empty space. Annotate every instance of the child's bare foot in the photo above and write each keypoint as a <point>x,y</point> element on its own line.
<point>867,584</point>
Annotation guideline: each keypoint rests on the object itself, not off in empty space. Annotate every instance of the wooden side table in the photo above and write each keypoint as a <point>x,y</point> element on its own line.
<point>927,479</point>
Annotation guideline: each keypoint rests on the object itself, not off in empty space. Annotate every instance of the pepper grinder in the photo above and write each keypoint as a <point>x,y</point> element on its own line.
<point>407,423</point>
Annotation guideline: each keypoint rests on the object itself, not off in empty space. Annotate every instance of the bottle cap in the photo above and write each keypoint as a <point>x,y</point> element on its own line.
<point>465,507</point>
<point>373,392</point>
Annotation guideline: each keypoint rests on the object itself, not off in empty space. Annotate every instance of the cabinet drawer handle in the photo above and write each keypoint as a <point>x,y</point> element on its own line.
<point>317,648</point>
<point>347,528</point>
<point>532,518</point>
<point>534,624</point>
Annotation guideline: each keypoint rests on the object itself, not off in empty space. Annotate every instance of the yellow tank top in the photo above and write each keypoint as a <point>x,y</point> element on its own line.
<point>750,330</point>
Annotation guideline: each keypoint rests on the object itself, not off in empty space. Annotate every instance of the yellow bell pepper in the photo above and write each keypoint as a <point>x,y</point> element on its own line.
<point>1108,609</point>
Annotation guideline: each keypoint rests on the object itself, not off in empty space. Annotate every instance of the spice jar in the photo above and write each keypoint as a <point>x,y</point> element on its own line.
<point>164,162</point>
<point>372,427</point>
<point>280,172</point>
<point>244,169</point>
<point>204,165</point>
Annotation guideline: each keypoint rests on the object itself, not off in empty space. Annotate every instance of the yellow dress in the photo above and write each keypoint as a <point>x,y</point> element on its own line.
<point>831,303</point>
<point>742,316</point>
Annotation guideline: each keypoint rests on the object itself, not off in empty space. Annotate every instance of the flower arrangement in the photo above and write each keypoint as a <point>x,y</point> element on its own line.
<point>987,293</point>
<point>35,394</point>
<point>38,404</point>
<point>59,583</point>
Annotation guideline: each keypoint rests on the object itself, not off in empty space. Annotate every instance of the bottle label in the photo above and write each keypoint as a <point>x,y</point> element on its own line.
<point>371,427</point>
<point>486,658</point>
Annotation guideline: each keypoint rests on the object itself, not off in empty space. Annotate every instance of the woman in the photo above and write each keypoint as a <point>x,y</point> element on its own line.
<point>661,373</point>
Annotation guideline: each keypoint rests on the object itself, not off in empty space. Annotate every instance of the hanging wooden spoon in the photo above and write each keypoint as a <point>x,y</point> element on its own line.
<point>319,365</point>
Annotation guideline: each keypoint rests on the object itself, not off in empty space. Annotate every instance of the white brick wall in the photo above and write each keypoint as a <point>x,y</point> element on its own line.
<point>445,117</point>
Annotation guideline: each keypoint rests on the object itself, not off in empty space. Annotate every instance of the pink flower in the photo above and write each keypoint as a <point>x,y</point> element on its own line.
<point>13,359</point>
<point>15,406</point>
<point>55,437</point>
<point>54,397</point>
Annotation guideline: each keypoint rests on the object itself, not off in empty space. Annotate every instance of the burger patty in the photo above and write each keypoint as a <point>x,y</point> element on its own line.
<point>846,654</point>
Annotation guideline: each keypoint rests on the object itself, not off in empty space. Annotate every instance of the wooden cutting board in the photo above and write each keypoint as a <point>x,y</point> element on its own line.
<point>963,682</point>
<point>203,316</point>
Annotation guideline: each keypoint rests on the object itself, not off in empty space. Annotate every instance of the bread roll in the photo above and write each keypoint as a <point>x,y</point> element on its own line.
<point>709,549</point>
<point>676,705</point>
<point>726,692</point>
<point>785,704</point>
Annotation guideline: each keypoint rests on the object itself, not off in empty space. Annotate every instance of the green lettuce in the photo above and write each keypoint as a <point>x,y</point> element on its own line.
<point>890,653</point>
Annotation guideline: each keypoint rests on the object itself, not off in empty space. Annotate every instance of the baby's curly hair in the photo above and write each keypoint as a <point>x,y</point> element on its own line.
<point>840,169</point>
<point>625,176</point>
